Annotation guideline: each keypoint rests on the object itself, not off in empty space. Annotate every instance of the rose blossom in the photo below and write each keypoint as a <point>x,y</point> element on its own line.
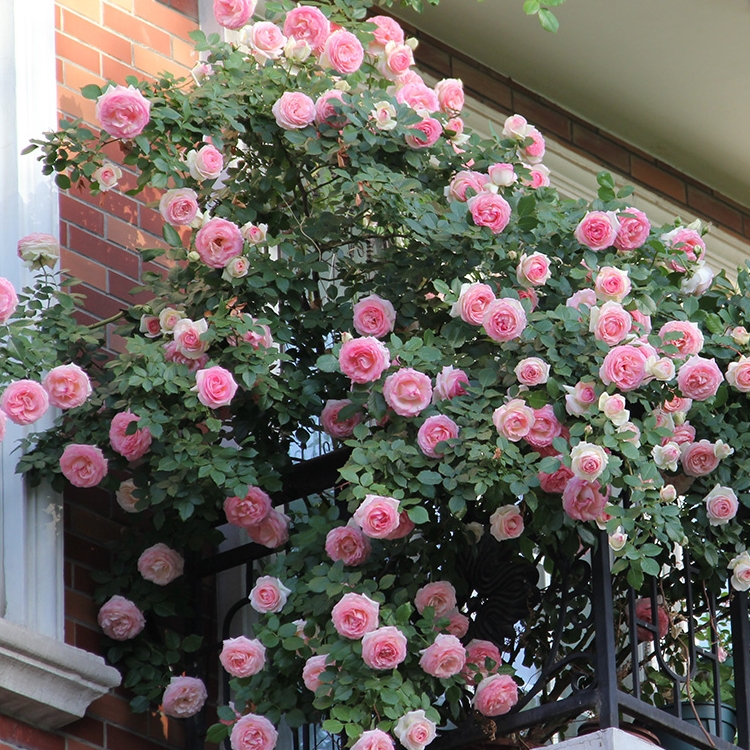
<point>450,94</point>
<point>237,268</point>
<point>169,317</point>
<point>532,371</point>
<point>458,623</point>
<point>668,493</point>
<point>333,425</point>
<point>687,241</point>
<point>272,531</point>
<point>253,732</point>
<point>266,40</point>
<point>699,378</point>
<point>348,544</point>
<point>420,97</point>
<point>643,611</point>
<point>8,300</point>
<point>354,615</point>
<point>326,109</point>
<point>373,739</point>
<point>740,567</point>
<point>738,374</point>
<point>666,456</point>
<point>677,404</point>
<point>384,115</point>
<point>613,408</point>
<point>684,433</point>
<point>740,335</point>
<point>233,14</point>
<point>533,270</point>
<point>294,110</point>
<point>534,151</point>
<point>433,431</point>
<point>407,391</point>
<point>125,497</point>
<point>187,337</point>
<point>384,648</point>
<point>254,234</point>
<point>132,445</point>
<point>698,282</point>
<point>249,510</point>
<point>477,654</point>
<point>215,386</point>
<point>610,323</point>
<point>597,230</point>
<point>579,398</point>
<point>504,319</point>
<point>440,595</point>
<point>24,401</point>
<point>120,619</point>
<point>150,326</point>
<point>160,564</point>
<point>67,386</point>
<point>625,366</point>
<point>612,284</point>
<point>377,516</point>
<point>689,341</point>
<point>463,181</point>
<point>661,368</point>
<point>489,210</point>
<point>173,353</point>
<point>414,730</point>
<point>107,176</point>
<point>473,300</point>
<point>721,505</point>
<point>496,695</point>
<point>206,163</point>
<point>428,133</point>
<point>123,111</point>
<point>404,528</point>
<point>443,658</point>
<point>506,523</point>
<point>588,461</point>
<point>38,250</point>
<point>395,61</point>
<point>514,420</point>
<point>539,176</point>
<point>634,229</point>
<point>582,500</point>
<point>387,30</point>
<point>83,465</point>
<point>722,450</point>
<point>364,360</point>
<point>217,242</point>
<point>699,459</point>
<point>268,595</point>
<point>556,482</point>
<point>374,316</point>
<point>617,540</point>
<point>581,297</point>
<point>307,23</point>
<point>343,52</point>
<point>502,174</point>
<point>449,383</point>
<point>545,429</point>
<point>314,667</point>
<point>242,657</point>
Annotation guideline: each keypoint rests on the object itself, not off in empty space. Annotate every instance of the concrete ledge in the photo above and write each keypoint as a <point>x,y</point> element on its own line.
<point>606,739</point>
<point>45,682</point>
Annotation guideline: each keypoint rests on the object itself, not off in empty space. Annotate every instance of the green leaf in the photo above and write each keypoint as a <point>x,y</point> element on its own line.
<point>530,7</point>
<point>431,478</point>
<point>333,726</point>
<point>548,20</point>
<point>91,91</point>
<point>419,515</point>
<point>171,236</point>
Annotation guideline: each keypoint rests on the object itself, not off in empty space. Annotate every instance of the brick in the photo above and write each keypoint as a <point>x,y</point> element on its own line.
<point>187,7</point>
<point>114,70</point>
<point>104,252</point>
<point>89,639</point>
<point>601,147</point>
<point>81,580</point>
<point>80,608</point>
<point>22,735</point>
<point>80,214</point>
<point>116,710</point>
<point>165,18</point>
<point>120,739</point>
<point>73,105</point>
<point>540,114</point>
<point>88,8</point>
<point>485,87</point>
<point>655,177</point>
<point>94,33</point>
<point>111,202</point>
<point>84,269</point>
<point>86,553</point>
<point>150,220</point>
<point>154,64</point>
<point>126,5</point>
<point>82,55</point>
<point>70,632</point>
<point>167,731</point>
<point>183,53</point>
<point>88,525</point>
<point>433,57</point>
<point>132,237</point>
<point>130,27</point>
<point>714,209</point>
<point>122,288</point>
<point>87,729</point>
<point>73,744</point>
<point>101,305</point>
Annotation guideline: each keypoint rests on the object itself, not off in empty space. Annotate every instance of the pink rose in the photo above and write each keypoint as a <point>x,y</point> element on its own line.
<point>364,360</point>
<point>387,29</point>
<point>443,658</point>
<point>374,316</point>
<point>420,97</point>
<point>721,505</point>
<point>314,667</point>
<point>580,398</point>
<point>160,564</point>
<point>335,426</point>
<point>532,371</point>
<point>237,268</point>
<point>514,420</point>
<point>187,337</point>
<point>433,431</point>
<point>699,378</point>
<point>504,319</point>
<point>132,445</point>
<point>414,730</point>
<point>258,335</point>
<point>107,176</point>
<point>150,326</point>
<point>206,163</point>
<point>215,386</point>
<point>533,270</point>
<point>294,110</point>
<point>464,181</point>
<point>407,391</point>
<point>430,131</point>
<point>83,465</point>
<point>545,429</point>
<point>373,739</point>
<point>506,523</point>
<point>677,403</point>
<point>348,544</point>
<point>625,366</point>
<point>473,301</point>
<point>125,496</point>
<point>377,516</point>
<point>404,528</point>
<point>233,14</point>
<point>489,210</point>
<point>24,401</point>
<point>326,109</point>
<point>610,323</point>
<point>597,230</point>
<point>643,612</point>
<point>534,151</point>
<point>248,511</point>
<point>686,240</point>
<point>740,567</point>
<point>556,482</point>
<point>120,619</point>
<point>699,459</point>
<point>612,284</point>
<point>354,615</point>
<point>272,531</point>
<point>343,52</point>
<point>588,461</point>
<point>38,250</point>
<point>123,112</point>
<point>268,595</point>
<point>584,501</point>
<point>582,297</point>
<point>502,174</point>
<point>634,229</point>
<point>539,177</point>
<point>173,353</point>
<point>8,300</point>
<point>440,595</point>
<point>384,648</point>
<point>449,383</point>
<point>496,695</point>
<point>307,23</point>
<point>450,94</point>
<point>395,61</point>
<point>477,654</point>
<point>642,320</point>
<point>67,386</point>
<point>266,40</point>
<point>458,624</point>
<point>738,374</point>
<point>253,732</point>
<point>242,657</point>
<point>217,242</point>
<point>689,339</point>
